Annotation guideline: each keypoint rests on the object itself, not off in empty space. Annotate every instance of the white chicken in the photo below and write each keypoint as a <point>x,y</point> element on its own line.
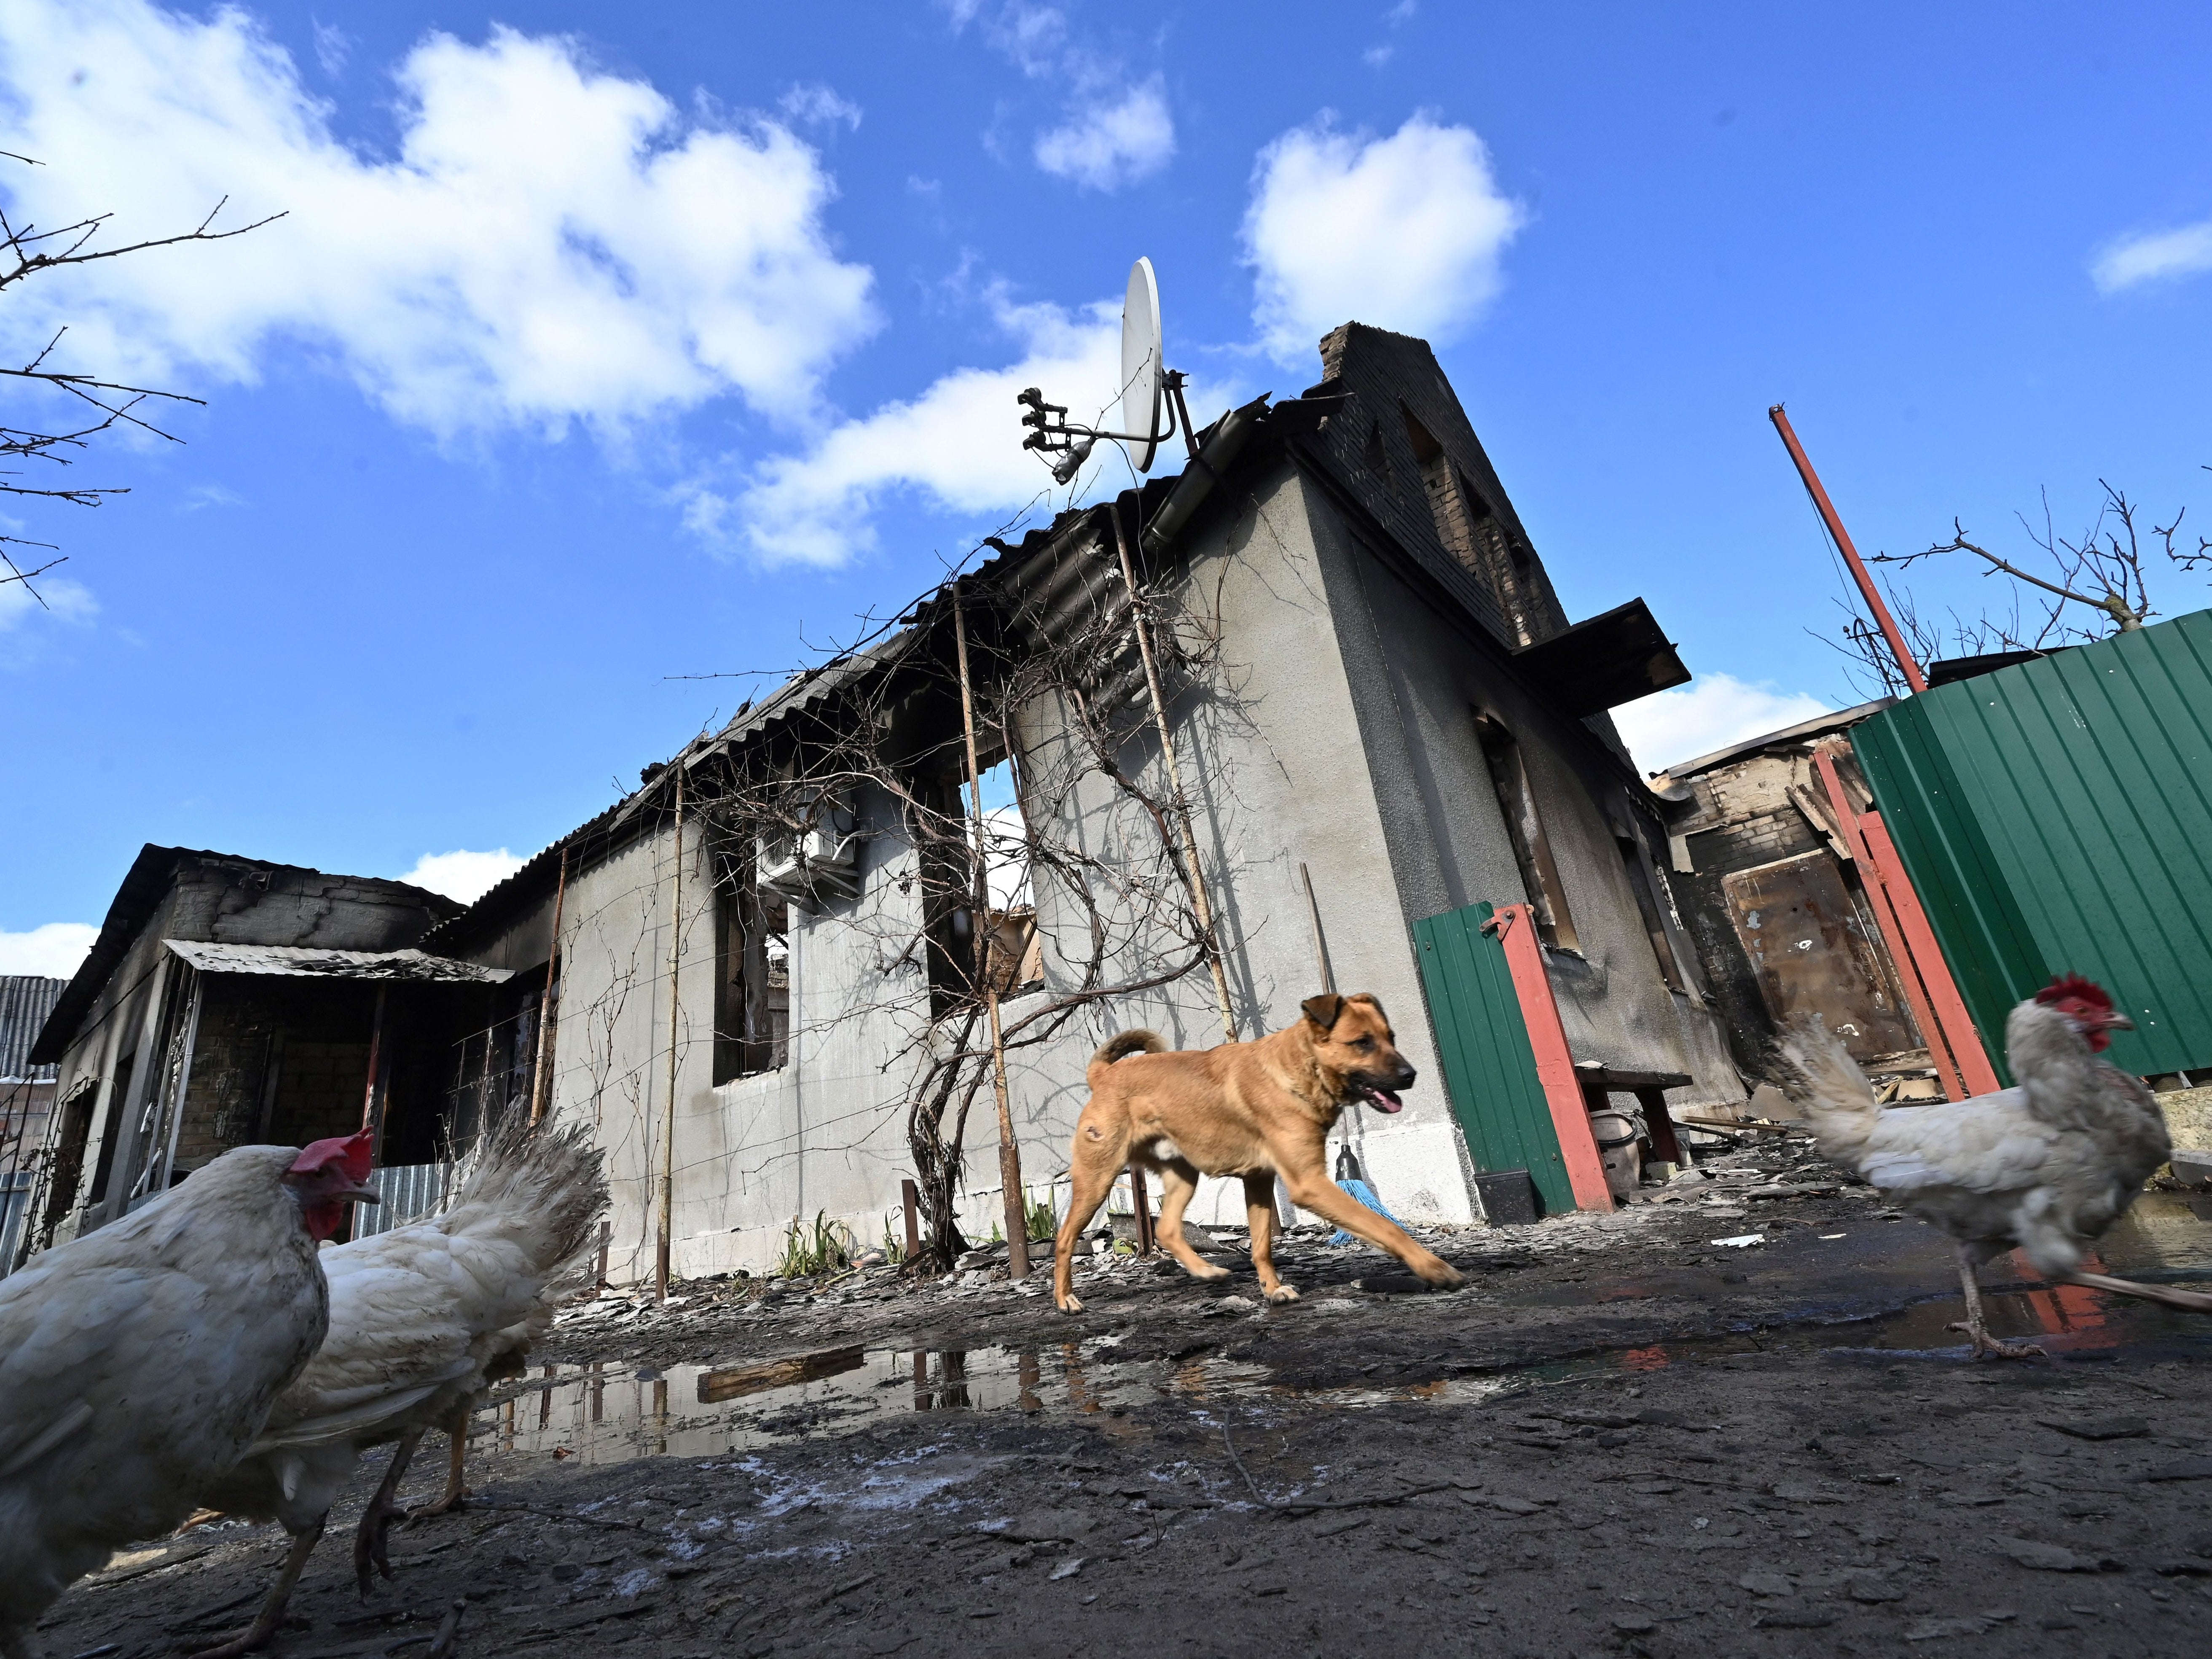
<point>2045,1166</point>
<point>421,1318</point>
<point>137,1362</point>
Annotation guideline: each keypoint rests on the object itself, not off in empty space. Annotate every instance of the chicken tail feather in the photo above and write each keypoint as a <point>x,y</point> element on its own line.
<point>1828,1087</point>
<point>545,1183</point>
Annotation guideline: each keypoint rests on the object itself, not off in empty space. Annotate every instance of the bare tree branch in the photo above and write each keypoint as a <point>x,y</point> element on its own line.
<point>27,250</point>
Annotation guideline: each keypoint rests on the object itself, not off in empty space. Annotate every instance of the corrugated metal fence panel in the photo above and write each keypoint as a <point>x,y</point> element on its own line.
<point>1490,1069</point>
<point>410,1192</point>
<point>25,1000</point>
<point>2057,817</point>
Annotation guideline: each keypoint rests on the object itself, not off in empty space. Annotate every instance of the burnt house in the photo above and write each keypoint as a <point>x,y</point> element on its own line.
<point>229,1001</point>
<point>1779,907</point>
<point>1397,713</point>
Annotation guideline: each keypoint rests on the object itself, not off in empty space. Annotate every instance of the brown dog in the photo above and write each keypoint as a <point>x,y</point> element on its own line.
<point>1254,1109</point>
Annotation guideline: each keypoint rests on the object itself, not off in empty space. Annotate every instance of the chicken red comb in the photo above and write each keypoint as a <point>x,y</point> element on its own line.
<point>353,1151</point>
<point>2073,988</point>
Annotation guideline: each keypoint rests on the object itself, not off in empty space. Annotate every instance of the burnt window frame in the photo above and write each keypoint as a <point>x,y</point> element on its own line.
<point>1540,881</point>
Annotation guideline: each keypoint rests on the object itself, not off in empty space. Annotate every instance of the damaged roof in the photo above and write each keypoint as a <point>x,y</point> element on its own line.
<point>307,962</point>
<point>144,886</point>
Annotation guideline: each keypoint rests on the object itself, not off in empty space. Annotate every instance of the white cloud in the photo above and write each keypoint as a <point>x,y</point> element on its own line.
<point>2161,255</point>
<point>1404,232</point>
<point>55,951</point>
<point>958,446</point>
<point>1117,132</point>
<point>1710,713</point>
<point>66,600</point>
<point>551,242</point>
<point>333,45</point>
<point>1108,144</point>
<point>815,104</point>
<point>464,876</point>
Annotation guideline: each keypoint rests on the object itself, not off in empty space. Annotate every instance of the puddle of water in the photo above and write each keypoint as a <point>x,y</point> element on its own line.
<point>599,1413</point>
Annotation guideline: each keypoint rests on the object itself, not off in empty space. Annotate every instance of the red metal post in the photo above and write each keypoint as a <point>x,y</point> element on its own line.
<point>1887,623</point>
<point>1516,927</point>
<point>1953,1042</point>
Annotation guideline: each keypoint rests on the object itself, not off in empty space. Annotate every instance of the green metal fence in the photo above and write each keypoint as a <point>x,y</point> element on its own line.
<point>2057,817</point>
<point>1490,1069</point>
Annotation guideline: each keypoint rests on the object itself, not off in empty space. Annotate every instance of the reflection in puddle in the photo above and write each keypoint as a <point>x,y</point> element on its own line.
<point>595,1415</point>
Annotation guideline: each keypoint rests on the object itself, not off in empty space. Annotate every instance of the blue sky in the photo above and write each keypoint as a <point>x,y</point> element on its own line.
<point>608,344</point>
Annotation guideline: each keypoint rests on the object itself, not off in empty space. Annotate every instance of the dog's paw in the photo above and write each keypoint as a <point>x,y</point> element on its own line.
<point>1210,1272</point>
<point>1282,1294</point>
<point>1439,1273</point>
<point>1071,1304</point>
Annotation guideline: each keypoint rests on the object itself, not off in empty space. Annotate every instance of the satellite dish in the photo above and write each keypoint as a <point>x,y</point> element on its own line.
<point>1140,361</point>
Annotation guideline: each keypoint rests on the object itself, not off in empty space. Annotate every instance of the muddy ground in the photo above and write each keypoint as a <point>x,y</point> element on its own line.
<point>1620,1436</point>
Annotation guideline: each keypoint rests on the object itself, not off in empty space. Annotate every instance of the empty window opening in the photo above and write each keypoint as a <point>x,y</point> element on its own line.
<point>1635,860</point>
<point>118,1101</point>
<point>1007,947</point>
<point>752,976</point>
<point>1524,828</point>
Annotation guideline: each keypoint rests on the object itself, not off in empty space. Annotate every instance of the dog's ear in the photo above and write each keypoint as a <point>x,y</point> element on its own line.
<point>1372,1001</point>
<point>1324,1010</point>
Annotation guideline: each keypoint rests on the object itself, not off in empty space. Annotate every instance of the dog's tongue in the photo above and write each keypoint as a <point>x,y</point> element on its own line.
<point>1384,1100</point>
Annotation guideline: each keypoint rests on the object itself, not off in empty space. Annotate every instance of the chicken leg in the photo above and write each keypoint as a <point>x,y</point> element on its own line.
<point>264,1624</point>
<point>376,1520</point>
<point>456,1494</point>
<point>1976,1330</point>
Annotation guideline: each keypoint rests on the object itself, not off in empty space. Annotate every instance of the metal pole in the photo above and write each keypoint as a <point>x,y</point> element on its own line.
<point>1887,623</point>
<point>541,1078</point>
<point>1009,1152</point>
<point>668,1126</point>
<point>1198,895</point>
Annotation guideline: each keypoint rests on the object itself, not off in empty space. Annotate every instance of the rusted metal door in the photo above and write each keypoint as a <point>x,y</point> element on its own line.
<point>1806,939</point>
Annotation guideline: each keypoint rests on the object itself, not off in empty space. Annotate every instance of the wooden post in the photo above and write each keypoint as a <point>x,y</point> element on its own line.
<point>606,1243</point>
<point>1009,1153</point>
<point>1516,927</point>
<point>668,1125</point>
<point>1200,901</point>
<point>371,1118</point>
<point>1143,1201</point>
<point>541,1073</point>
<point>910,1197</point>
<point>1313,921</point>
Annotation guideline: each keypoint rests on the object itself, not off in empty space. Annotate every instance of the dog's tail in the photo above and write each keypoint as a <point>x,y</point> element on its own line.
<point>1120,1046</point>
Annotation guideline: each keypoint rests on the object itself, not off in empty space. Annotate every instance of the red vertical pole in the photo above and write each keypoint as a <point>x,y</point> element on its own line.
<point>1516,927</point>
<point>1887,623</point>
<point>1964,1069</point>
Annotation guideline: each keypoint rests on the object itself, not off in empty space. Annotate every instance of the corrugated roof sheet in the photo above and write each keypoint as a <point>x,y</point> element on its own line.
<point>305,962</point>
<point>25,1000</point>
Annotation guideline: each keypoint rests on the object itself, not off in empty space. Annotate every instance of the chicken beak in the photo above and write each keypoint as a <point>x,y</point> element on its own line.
<point>360,1195</point>
<point>2117,1021</point>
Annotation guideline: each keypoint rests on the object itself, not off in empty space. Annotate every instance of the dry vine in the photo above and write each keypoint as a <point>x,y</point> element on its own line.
<point>1089,842</point>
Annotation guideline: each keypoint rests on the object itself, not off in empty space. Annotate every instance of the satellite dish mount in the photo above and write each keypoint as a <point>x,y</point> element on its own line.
<point>1148,390</point>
